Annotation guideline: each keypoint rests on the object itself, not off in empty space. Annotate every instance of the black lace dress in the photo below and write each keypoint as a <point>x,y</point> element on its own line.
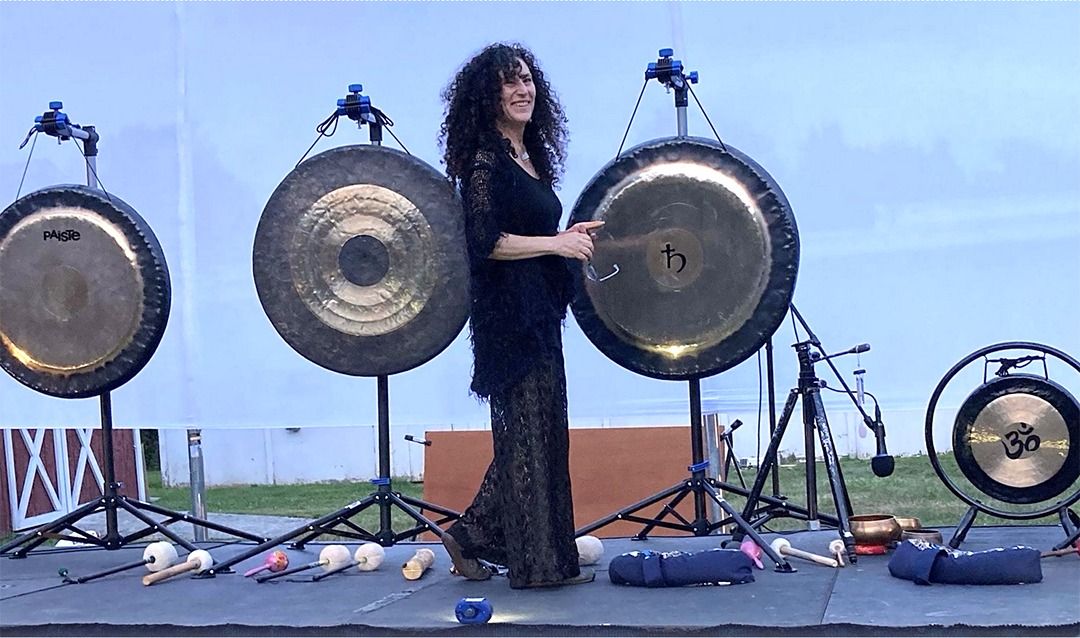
<point>522,516</point>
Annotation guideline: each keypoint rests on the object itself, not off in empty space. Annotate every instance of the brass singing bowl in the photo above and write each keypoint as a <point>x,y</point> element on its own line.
<point>907,523</point>
<point>875,529</point>
<point>928,535</point>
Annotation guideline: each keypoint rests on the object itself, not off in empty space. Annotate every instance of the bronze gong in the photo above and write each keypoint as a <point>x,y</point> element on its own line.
<point>695,266</point>
<point>84,291</point>
<point>1017,438</point>
<point>360,262</point>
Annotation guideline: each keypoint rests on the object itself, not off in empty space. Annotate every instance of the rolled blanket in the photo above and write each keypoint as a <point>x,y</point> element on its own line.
<point>647,568</point>
<point>924,563</point>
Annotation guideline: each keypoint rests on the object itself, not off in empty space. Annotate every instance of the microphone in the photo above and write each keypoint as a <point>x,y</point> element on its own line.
<point>882,464</point>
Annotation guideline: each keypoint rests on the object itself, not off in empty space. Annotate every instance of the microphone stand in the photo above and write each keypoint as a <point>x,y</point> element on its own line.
<point>814,419</point>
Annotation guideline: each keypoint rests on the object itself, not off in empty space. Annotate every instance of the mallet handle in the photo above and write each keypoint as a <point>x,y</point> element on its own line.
<point>814,558</point>
<point>1064,551</point>
<point>150,579</point>
<point>336,570</point>
<point>294,570</point>
<point>415,567</point>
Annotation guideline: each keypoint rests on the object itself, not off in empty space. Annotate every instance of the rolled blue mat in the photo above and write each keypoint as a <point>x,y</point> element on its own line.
<point>925,563</point>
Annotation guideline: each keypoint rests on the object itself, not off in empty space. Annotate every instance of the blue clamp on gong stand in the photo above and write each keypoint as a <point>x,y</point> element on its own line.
<point>358,108</point>
<point>669,72</point>
<point>56,123</point>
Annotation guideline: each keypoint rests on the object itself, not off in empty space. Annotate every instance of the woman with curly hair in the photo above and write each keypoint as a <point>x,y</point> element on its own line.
<point>504,137</point>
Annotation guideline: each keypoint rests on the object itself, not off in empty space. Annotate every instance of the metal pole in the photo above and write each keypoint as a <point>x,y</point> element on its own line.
<point>197,482</point>
<point>712,445</point>
<point>112,533</point>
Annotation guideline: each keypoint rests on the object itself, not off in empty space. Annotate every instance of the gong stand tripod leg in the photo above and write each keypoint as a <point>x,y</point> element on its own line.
<point>1069,524</point>
<point>627,513</point>
<point>669,509</point>
<point>44,532</point>
<point>701,524</point>
<point>767,463</point>
<point>769,508</point>
<point>424,523</point>
<point>313,529</point>
<point>132,505</point>
<point>111,502</point>
<point>782,564</point>
<point>962,527</point>
<point>832,467</point>
<point>151,527</point>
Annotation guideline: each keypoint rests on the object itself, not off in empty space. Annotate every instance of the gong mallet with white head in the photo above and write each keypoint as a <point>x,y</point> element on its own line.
<point>783,547</point>
<point>590,550</point>
<point>367,558</point>
<point>157,556</point>
<point>331,556</point>
<point>837,549</point>
<point>275,561</point>
<point>197,561</point>
<point>415,567</point>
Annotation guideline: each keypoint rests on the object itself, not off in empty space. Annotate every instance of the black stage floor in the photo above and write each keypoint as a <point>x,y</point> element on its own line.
<point>857,600</point>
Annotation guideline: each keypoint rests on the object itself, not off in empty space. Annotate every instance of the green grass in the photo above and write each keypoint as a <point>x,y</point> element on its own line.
<point>310,500</point>
<point>913,490</point>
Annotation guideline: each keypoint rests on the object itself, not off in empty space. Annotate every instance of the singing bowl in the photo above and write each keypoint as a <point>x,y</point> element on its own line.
<point>908,523</point>
<point>875,529</point>
<point>928,535</point>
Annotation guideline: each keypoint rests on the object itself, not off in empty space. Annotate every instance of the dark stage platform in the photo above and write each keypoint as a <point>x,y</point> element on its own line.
<point>857,600</point>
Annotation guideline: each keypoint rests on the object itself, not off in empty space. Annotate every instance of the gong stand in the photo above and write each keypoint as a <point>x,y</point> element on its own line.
<point>669,72</point>
<point>111,501</point>
<point>384,498</point>
<point>698,485</point>
<point>989,482</point>
<point>358,108</point>
<point>57,124</point>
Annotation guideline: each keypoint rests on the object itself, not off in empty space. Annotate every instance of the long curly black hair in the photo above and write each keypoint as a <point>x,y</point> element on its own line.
<point>473,102</point>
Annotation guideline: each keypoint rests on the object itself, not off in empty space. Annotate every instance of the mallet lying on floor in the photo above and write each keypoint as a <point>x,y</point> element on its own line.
<point>367,558</point>
<point>331,557</point>
<point>198,561</point>
<point>783,547</point>
<point>275,561</point>
<point>837,549</point>
<point>415,567</point>
<point>157,556</point>
<point>1064,551</point>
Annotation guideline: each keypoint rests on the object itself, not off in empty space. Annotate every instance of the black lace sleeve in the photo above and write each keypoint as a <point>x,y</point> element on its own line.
<point>482,227</point>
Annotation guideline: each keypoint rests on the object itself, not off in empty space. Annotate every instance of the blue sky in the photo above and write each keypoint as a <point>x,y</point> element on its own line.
<point>930,151</point>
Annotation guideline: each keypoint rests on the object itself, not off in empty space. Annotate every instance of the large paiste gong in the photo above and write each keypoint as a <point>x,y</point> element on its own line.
<point>84,291</point>
<point>1017,438</point>
<point>695,266</point>
<point>360,263</point>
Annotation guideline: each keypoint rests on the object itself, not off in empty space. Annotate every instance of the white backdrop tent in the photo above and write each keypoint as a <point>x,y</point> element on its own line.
<point>931,154</point>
